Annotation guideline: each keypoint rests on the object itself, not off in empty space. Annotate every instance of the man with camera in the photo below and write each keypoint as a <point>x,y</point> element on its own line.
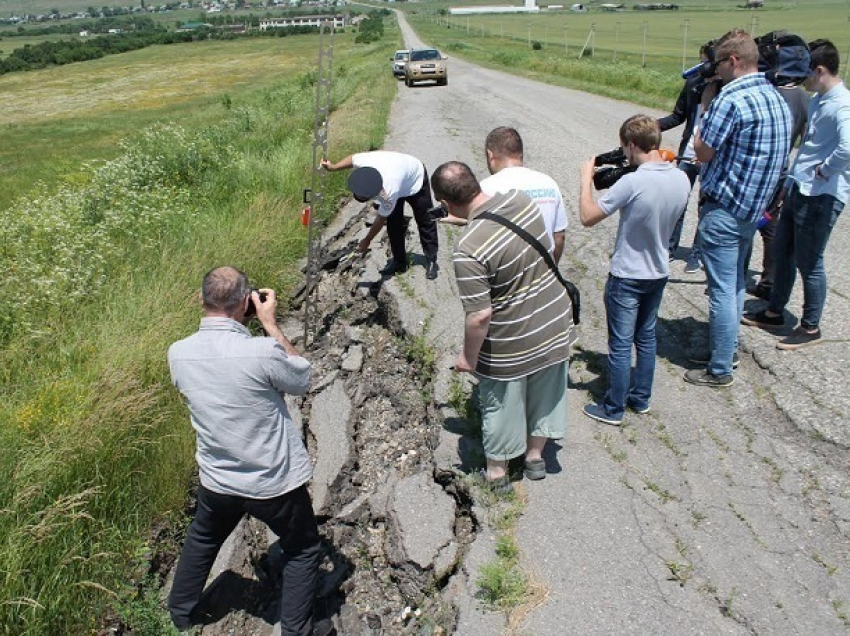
<point>743,140</point>
<point>649,200</point>
<point>251,459</point>
<point>518,326</point>
<point>818,187</point>
<point>687,110</point>
<point>393,178</point>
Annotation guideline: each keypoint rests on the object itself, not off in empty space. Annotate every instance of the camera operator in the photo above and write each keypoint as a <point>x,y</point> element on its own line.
<point>687,110</point>
<point>744,138</point>
<point>251,458</point>
<point>650,199</point>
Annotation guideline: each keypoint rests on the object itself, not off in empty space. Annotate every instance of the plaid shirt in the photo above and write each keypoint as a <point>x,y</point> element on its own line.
<point>749,127</point>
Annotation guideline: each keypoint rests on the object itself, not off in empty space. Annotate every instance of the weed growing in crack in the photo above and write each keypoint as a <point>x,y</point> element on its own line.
<point>746,523</point>
<point>697,518</point>
<point>726,608</point>
<point>681,572</point>
<point>775,471</point>
<point>838,605</point>
<point>830,569</point>
<point>664,495</point>
<point>502,583</point>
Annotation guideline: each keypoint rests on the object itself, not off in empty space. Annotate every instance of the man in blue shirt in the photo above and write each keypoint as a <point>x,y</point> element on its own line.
<point>818,187</point>
<point>743,141</point>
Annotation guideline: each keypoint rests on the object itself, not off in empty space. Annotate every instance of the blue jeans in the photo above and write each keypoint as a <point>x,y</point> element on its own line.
<point>804,228</point>
<point>724,243</point>
<point>632,309</point>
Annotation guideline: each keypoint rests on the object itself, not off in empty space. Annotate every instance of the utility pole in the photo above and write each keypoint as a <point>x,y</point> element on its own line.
<point>529,34</point>
<point>685,44</point>
<point>753,23</point>
<point>643,52</point>
<point>616,40</point>
<point>566,41</point>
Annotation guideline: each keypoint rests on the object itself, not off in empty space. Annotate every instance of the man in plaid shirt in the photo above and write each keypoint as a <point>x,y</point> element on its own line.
<point>743,141</point>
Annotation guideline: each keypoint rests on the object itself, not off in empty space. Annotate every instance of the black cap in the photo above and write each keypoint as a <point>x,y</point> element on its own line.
<point>365,183</point>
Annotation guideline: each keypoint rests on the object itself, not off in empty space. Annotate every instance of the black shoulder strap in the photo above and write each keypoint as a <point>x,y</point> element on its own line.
<point>572,290</point>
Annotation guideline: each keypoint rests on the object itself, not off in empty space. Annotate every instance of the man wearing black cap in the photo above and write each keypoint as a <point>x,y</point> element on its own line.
<point>393,178</point>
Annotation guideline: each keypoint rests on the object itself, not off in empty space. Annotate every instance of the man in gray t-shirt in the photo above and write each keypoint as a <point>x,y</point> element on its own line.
<point>650,200</point>
<point>251,458</point>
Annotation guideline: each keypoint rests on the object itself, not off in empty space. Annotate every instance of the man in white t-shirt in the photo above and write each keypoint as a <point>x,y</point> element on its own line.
<point>391,178</point>
<point>504,151</point>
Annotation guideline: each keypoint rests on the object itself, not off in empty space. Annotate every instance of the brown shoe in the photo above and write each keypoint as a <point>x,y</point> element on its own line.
<point>801,337</point>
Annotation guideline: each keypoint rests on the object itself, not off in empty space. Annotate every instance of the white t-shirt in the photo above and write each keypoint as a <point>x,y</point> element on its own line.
<point>402,175</point>
<point>540,187</point>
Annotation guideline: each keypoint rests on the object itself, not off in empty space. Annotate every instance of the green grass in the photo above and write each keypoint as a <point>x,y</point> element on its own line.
<point>622,66</point>
<point>95,442</point>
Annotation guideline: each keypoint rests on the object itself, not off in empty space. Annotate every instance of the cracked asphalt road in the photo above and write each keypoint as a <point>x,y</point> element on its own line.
<point>721,511</point>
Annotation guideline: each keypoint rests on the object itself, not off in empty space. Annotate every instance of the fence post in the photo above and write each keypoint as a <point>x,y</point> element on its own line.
<point>643,52</point>
<point>616,40</point>
<point>685,44</point>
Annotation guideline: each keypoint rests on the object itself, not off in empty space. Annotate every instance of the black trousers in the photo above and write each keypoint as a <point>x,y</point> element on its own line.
<point>290,516</point>
<point>420,202</point>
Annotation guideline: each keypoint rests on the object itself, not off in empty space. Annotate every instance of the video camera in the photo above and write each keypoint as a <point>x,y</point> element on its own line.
<point>610,166</point>
<point>706,69</point>
<point>438,212</point>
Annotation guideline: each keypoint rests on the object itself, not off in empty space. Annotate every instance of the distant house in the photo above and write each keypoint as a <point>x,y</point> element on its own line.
<point>192,26</point>
<point>306,20</point>
<point>612,7</point>
<point>754,4</point>
<point>578,8</point>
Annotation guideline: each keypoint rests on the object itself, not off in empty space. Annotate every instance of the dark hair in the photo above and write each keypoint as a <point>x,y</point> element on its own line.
<point>824,54</point>
<point>224,289</point>
<point>705,48</point>
<point>504,142</point>
<point>454,182</point>
<point>641,130</point>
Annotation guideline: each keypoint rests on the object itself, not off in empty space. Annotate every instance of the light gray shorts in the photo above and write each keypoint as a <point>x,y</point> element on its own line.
<point>512,410</point>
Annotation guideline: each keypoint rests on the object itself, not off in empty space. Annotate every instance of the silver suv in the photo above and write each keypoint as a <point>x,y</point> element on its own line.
<point>426,64</point>
<point>399,61</point>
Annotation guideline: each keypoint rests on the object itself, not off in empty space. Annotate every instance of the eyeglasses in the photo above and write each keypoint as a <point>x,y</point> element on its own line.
<point>721,60</point>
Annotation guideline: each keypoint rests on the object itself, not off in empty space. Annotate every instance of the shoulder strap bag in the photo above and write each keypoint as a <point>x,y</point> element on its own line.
<point>572,290</point>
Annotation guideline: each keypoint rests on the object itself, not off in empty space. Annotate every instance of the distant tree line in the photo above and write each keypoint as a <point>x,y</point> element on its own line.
<point>99,25</point>
<point>36,56</point>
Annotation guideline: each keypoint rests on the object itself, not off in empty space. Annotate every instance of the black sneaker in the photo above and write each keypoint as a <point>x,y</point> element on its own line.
<point>394,267</point>
<point>701,377</point>
<point>759,291</point>
<point>704,358</point>
<point>431,270</point>
<point>761,319</point>
<point>801,337</point>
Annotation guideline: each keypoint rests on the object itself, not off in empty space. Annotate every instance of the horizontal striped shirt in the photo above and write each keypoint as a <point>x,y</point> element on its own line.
<point>531,324</point>
<point>749,127</point>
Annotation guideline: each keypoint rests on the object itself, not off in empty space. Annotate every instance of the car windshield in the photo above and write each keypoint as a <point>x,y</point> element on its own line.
<point>401,56</point>
<point>427,54</point>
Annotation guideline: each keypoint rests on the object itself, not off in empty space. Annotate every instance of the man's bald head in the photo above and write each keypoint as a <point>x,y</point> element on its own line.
<point>224,290</point>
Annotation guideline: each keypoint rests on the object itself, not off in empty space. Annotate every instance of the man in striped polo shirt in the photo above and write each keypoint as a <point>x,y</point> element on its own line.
<point>518,326</point>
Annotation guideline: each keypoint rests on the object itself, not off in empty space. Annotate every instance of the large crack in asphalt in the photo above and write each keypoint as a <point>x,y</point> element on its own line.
<point>395,529</point>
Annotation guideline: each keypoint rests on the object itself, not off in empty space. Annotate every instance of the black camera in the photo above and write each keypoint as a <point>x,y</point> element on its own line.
<point>438,212</point>
<point>252,309</point>
<point>610,166</point>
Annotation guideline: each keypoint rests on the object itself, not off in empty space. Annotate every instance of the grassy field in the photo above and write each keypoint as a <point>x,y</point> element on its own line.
<point>669,34</point>
<point>154,166</point>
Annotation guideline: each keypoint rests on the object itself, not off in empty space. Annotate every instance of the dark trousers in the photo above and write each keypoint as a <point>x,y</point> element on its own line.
<point>692,170</point>
<point>290,517</point>
<point>420,202</point>
<point>767,230</point>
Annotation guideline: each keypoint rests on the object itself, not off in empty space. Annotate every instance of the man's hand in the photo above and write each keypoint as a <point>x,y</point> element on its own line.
<point>451,219</point>
<point>462,365</point>
<point>327,165</point>
<point>363,245</point>
<point>266,310</point>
